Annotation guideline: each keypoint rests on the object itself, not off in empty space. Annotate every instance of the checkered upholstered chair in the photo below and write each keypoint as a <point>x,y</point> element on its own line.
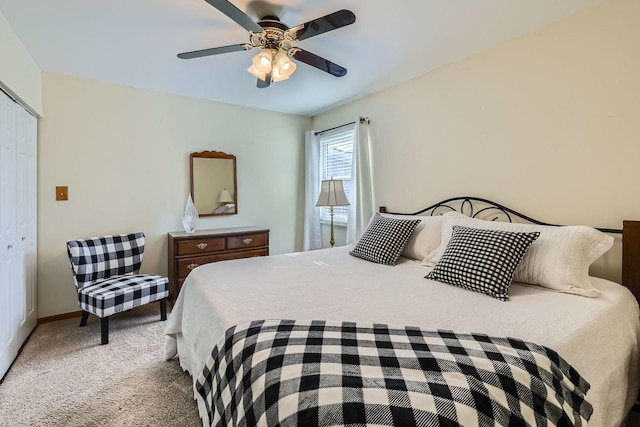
<point>105,271</point>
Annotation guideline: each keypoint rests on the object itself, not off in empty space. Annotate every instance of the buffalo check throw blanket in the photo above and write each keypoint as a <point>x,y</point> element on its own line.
<point>320,373</point>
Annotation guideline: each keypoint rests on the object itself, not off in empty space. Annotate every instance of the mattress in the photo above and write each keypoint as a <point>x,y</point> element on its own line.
<point>597,336</point>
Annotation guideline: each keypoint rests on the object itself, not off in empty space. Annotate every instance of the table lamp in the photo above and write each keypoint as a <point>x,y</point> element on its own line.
<point>332,194</point>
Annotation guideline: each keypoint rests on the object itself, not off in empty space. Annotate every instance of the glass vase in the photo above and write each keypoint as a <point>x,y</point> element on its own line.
<point>190,217</point>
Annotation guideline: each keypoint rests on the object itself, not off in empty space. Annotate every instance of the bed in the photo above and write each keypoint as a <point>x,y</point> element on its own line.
<point>234,316</point>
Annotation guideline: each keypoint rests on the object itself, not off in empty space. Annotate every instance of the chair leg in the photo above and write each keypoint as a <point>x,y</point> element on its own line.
<point>104,329</point>
<point>163,309</point>
<point>83,320</point>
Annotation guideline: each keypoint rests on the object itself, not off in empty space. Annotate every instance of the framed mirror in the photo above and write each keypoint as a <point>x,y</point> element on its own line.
<point>213,183</point>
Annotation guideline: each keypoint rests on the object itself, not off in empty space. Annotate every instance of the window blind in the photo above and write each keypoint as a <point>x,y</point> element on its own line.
<point>336,157</point>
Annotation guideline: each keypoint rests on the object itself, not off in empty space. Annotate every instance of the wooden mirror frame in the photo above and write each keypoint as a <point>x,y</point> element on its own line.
<point>215,155</point>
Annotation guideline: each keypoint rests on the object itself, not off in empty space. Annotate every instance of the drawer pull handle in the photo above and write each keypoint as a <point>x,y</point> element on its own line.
<point>192,266</point>
<point>247,241</point>
<point>202,245</point>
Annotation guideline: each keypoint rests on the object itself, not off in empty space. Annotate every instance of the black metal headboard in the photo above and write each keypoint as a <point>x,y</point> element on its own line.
<point>476,207</point>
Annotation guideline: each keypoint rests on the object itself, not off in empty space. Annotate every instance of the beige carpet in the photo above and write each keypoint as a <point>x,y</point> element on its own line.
<point>63,377</point>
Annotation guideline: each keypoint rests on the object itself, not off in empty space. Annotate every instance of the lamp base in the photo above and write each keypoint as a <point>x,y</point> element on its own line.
<point>332,242</point>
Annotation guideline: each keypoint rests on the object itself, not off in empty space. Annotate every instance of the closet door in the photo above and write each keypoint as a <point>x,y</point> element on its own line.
<point>18,232</point>
<point>26,221</point>
<point>8,231</point>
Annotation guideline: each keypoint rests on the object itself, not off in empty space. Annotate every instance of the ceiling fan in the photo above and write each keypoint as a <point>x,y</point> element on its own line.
<point>276,43</point>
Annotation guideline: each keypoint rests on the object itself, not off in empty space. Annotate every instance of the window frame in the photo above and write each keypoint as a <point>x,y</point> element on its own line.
<point>336,137</point>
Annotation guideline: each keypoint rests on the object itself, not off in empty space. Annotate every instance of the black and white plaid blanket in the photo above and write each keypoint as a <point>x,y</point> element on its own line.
<point>317,373</point>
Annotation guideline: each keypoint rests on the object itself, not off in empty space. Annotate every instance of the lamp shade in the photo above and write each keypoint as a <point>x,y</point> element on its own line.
<point>283,67</point>
<point>332,193</point>
<point>225,197</point>
<point>262,64</point>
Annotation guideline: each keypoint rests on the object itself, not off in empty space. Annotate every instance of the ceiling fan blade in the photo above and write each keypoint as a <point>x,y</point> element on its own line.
<point>212,51</point>
<point>264,83</point>
<point>320,63</point>
<point>317,26</point>
<point>236,15</point>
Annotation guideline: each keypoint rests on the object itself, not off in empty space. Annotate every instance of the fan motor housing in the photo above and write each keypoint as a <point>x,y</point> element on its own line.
<point>272,22</point>
<point>274,35</point>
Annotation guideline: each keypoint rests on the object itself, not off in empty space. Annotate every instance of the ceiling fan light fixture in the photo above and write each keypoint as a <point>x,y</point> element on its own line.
<point>283,67</point>
<point>270,61</point>
<point>277,77</point>
<point>261,65</point>
<point>276,41</point>
<point>263,61</point>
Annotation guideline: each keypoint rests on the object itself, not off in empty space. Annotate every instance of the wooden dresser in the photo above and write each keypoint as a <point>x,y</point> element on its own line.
<point>188,251</point>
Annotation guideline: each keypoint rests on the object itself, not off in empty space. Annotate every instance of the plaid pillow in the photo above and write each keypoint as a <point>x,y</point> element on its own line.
<point>384,239</point>
<point>482,260</point>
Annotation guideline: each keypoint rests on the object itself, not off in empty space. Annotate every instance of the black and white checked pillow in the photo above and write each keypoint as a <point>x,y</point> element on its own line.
<point>482,260</point>
<point>384,239</point>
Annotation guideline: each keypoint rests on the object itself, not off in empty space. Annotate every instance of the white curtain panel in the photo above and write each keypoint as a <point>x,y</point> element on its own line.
<point>361,207</point>
<point>312,238</point>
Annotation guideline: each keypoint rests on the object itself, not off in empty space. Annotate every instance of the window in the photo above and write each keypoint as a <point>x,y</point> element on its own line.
<point>336,154</point>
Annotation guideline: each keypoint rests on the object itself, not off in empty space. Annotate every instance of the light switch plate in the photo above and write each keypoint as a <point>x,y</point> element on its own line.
<point>62,193</point>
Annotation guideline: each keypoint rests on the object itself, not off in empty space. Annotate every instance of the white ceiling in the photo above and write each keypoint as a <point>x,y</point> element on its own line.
<point>135,42</point>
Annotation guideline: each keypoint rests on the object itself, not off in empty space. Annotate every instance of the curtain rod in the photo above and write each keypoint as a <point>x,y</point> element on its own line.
<point>362,120</point>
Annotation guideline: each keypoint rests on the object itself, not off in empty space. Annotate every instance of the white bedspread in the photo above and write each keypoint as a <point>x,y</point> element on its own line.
<point>598,336</point>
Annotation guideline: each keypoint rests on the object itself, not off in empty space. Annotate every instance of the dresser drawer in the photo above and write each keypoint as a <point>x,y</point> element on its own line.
<point>188,251</point>
<point>247,241</point>
<point>185,265</point>
<point>197,246</point>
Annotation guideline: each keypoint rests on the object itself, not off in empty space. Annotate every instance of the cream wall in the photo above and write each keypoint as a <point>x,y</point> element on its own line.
<point>548,124</point>
<point>124,154</point>
<point>19,74</point>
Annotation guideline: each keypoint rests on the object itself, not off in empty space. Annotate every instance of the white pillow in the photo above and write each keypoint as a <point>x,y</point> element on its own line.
<point>559,259</point>
<point>425,237</point>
